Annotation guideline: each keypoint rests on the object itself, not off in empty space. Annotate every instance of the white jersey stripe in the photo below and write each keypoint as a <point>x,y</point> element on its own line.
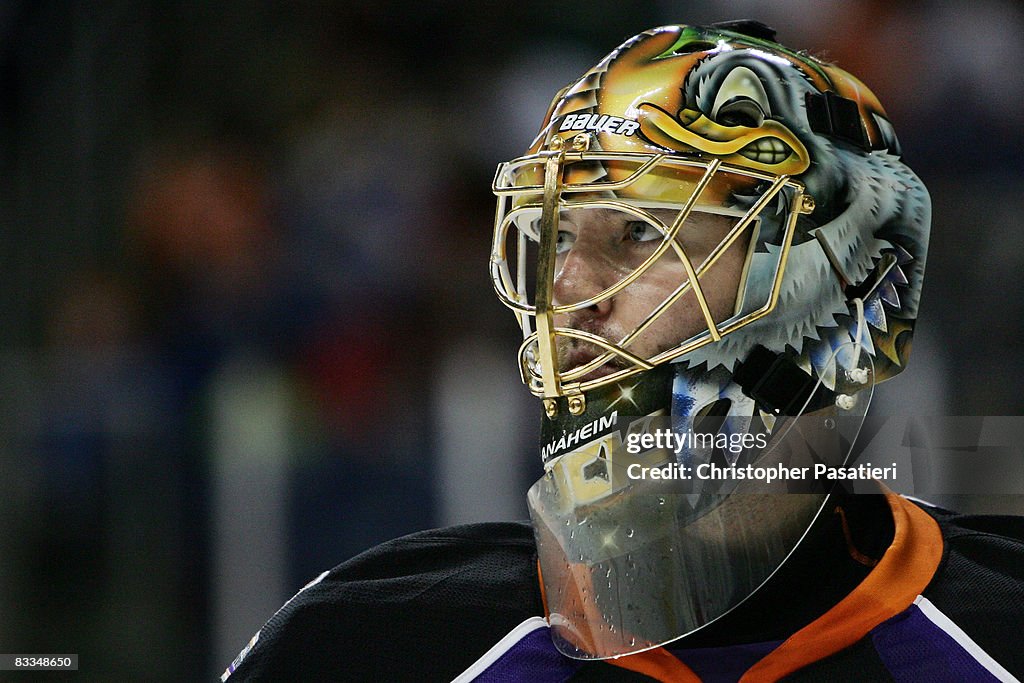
<point>964,640</point>
<point>500,648</point>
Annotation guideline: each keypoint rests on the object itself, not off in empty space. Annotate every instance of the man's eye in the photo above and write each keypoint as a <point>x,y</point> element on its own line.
<point>564,241</point>
<point>638,231</point>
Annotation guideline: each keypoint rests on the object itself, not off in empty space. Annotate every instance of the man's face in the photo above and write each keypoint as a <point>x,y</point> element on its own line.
<point>598,247</point>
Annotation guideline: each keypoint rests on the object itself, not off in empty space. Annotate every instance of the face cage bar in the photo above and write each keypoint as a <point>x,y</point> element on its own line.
<point>550,382</point>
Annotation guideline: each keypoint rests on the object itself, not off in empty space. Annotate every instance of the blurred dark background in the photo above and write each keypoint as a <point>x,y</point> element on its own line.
<point>247,328</point>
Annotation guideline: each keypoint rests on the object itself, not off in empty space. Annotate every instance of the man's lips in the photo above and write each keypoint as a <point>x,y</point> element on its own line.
<point>581,355</point>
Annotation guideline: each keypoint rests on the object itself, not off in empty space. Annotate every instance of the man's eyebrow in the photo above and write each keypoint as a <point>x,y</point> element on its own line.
<point>600,213</point>
<point>667,215</point>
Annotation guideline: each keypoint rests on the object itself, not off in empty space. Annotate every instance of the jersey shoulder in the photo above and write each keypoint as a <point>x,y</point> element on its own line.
<point>421,607</point>
<point>980,583</point>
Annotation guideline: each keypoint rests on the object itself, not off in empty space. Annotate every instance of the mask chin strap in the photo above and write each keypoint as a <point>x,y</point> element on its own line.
<point>856,374</point>
<point>783,388</point>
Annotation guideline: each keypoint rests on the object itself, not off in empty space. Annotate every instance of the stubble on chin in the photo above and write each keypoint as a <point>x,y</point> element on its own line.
<point>573,352</point>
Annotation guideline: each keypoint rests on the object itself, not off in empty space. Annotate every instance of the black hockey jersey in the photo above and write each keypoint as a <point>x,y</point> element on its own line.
<point>945,602</point>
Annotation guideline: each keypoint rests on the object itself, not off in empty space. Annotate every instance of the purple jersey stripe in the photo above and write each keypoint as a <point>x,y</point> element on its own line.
<point>525,655</point>
<point>914,649</point>
<point>533,659</point>
<point>724,664</point>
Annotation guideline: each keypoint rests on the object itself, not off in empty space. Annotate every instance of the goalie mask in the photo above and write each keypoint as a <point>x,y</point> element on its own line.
<point>711,237</point>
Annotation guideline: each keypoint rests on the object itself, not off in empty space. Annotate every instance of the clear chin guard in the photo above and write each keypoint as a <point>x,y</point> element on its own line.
<point>631,561</point>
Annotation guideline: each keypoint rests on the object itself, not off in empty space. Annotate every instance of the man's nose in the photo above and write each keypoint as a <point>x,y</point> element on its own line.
<point>583,275</point>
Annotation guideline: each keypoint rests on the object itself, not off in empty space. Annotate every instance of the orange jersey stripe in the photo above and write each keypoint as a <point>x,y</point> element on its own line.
<point>902,574</point>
